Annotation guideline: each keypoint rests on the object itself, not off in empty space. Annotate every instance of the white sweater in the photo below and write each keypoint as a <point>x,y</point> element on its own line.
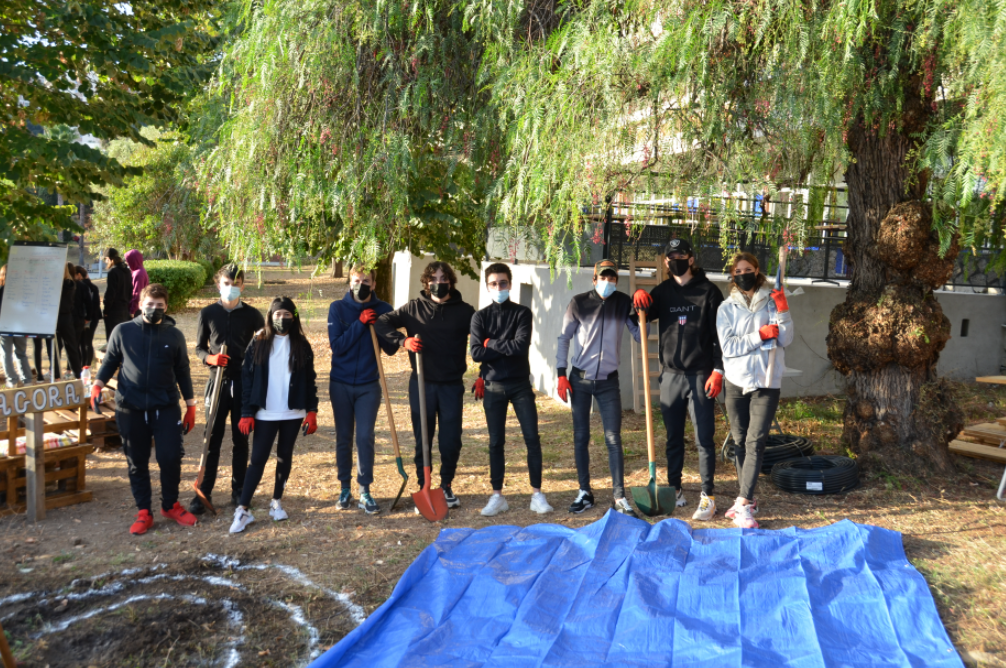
<point>745,364</point>
<point>277,398</point>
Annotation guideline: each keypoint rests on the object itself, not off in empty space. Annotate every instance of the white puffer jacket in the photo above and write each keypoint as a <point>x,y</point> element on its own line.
<point>745,364</point>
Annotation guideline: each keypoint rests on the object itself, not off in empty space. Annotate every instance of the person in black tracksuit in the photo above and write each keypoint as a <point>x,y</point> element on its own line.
<point>691,363</point>
<point>66,331</point>
<point>118,292</point>
<point>442,320</point>
<point>152,360</point>
<point>94,316</point>
<point>500,340</point>
<point>81,310</point>
<point>233,322</point>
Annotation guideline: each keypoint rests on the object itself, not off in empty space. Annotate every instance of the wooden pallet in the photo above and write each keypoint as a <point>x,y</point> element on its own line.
<point>65,479</point>
<point>991,433</point>
<point>978,451</point>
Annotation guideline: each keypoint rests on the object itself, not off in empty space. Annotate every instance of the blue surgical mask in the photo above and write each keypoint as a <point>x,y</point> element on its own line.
<point>500,296</point>
<point>230,293</point>
<point>604,288</point>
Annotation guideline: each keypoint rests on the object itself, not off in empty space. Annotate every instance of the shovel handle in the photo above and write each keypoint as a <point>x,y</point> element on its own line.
<point>212,417</point>
<point>422,412</point>
<point>384,389</point>
<point>643,344</point>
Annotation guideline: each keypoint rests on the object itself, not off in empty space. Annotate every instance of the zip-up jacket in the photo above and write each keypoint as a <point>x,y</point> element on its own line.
<point>217,326</point>
<point>353,361</point>
<point>443,328</point>
<point>93,300</point>
<point>303,394</point>
<point>152,361</point>
<point>508,326</point>
<point>745,363</point>
<point>687,315</point>
<point>597,325</point>
<point>118,290</point>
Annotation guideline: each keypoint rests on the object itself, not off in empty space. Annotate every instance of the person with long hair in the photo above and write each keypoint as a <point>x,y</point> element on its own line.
<point>280,396</point>
<point>80,316</point>
<point>16,368</point>
<point>752,321</point>
<point>134,260</point>
<point>118,292</point>
<point>66,331</point>
<point>94,315</point>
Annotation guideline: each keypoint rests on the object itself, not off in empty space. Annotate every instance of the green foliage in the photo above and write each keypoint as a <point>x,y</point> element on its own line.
<point>182,279</point>
<point>208,269</point>
<point>104,69</point>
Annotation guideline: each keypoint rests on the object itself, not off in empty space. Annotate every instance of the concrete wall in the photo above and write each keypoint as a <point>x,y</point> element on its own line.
<point>407,268</point>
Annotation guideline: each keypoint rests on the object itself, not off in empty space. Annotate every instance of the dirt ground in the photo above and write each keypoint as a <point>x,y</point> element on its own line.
<point>79,590</point>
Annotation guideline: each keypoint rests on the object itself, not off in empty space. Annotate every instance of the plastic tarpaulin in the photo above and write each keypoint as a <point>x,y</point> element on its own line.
<point>621,592</point>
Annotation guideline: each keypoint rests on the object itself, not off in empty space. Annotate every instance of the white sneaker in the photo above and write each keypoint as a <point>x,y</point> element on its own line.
<point>497,504</point>
<point>539,504</point>
<point>743,517</point>
<point>706,509</point>
<point>753,507</point>
<point>276,511</point>
<point>242,518</point>
<point>622,505</point>
<point>681,500</point>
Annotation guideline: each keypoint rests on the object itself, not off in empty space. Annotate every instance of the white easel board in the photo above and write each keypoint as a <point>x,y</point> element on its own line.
<point>32,289</point>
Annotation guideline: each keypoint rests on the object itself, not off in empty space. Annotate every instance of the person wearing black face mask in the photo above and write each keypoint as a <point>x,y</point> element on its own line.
<point>354,386</point>
<point>691,365</point>
<point>442,319</point>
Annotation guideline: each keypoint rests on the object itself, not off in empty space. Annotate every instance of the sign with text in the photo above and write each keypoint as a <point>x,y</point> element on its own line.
<point>32,288</point>
<point>41,398</point>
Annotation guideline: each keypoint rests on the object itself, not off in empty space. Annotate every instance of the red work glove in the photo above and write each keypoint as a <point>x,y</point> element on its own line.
<point>218,360</point>
<point>479,388</point>
<point>641,300</point>
<point>714,385</point>
<point>769,332</point>
<point>485,344</point>
<point>96,399</point>
<point>368,316</point>
<point>310,423</point>
<point>565,389</point>
<point>246,425</point>
<point>413,345</point>
<point>189,421</point>
<point>779,297</point>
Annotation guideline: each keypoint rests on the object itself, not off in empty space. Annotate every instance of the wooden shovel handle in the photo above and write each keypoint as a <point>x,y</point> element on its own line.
<point>384,389</point>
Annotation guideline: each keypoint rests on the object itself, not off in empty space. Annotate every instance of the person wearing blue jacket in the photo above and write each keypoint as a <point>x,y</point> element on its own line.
<point>354,385</point>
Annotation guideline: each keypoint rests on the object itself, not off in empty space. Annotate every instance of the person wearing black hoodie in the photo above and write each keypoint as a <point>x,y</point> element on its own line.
<point>442,320</point>
<point>94,315</point>
<point>118,292</point>
<point>150,354</point>
<point>691,364</point>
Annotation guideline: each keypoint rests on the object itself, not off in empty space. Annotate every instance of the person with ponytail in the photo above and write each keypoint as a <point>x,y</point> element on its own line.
<point>279,397</point>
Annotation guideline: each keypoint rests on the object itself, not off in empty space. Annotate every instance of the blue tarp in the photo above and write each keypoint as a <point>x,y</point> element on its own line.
<point>621,592</point>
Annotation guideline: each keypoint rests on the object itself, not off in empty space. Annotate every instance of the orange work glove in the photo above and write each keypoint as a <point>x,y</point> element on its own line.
<point>565,389</point>
<point>96,399</point>
<point>413,345</point>
<point>641,300</point>
<point>769,332</point>
<point>189,421</point>
<point>218,360</point>
<point>479,388</point>
<point>310,423</point>
<point>485,344</point>
<point>714,385</point>
<point>779,297</point>
<point>246,425</point>
<point>368,316</point>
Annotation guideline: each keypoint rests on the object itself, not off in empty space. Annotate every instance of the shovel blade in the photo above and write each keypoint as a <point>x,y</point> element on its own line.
<point>202,497</point>
<point>653,500</point>
<point>405,481</point>
<point>430,502</point>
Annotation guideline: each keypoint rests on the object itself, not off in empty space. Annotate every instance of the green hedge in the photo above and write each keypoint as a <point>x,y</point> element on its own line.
<point>208,268</point>
<point>182,279</point>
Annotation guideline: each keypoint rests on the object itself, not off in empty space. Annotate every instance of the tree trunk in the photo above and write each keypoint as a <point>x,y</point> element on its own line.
<point>382,271</point>
<point>887,336</point>
<point>336,269</point>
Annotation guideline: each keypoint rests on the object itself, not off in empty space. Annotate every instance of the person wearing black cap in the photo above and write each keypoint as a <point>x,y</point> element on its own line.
<point>596,318</point>
<point>691,364</point>
<point>232,322</point>
<point>118,292</point>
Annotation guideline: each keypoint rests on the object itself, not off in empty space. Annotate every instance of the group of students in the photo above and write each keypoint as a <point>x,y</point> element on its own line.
<point>708,344</point>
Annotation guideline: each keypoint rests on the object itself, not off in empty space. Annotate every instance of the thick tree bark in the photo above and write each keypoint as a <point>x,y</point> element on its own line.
<point>383,274</point>
<point>887,335</point>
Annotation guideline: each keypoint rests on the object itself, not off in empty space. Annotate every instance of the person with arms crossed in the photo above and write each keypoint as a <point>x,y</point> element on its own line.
<point>150,354</point>
<point>500,340</point>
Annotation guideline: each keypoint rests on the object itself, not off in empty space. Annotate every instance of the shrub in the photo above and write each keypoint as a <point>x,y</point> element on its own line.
<point>182,279</point>
<point>208,268</point>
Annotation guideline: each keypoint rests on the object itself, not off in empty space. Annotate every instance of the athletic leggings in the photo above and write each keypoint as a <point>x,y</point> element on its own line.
<point>262,439</point>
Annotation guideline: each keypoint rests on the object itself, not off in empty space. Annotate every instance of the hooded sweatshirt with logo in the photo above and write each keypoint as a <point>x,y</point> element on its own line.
<point>443,329</point>
<point>353,361</point>
<point>687,316</point>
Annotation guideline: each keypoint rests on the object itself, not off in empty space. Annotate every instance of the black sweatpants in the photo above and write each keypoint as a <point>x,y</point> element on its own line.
<point>68,340</point>
<point>229,408</point>
<point>681,394</point>
<point>444,403</point>
<point>262,438</point>
<point>87,344</point>
<point>160,429</point>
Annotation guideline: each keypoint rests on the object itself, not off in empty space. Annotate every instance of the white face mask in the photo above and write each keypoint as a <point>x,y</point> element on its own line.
<point>230,293</point>
<point>500,296</point>
<point>604,288</point>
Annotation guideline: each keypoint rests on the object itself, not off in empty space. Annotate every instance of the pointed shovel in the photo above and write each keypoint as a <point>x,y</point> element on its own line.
<point>431,503</point>
<point>651,500</point>
<point>210,419</point>
<point>391,417</point>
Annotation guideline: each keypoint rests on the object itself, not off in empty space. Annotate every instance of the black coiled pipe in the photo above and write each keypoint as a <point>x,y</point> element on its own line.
<point>779,447</point>
<point>820,474</point>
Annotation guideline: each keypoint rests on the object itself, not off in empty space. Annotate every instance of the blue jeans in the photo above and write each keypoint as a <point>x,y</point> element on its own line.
<point>355,406</point>
<point>609,400</point>
<point>498,396</point>
<point>443,409</point>
<point>15,359</point>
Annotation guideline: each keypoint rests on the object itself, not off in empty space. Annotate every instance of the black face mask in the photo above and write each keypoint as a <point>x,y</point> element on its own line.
<point>153,315</point>
<point>282,325</point>
<point>440,290</point>
<point>361,291</point>
<point>745,282</point>
<point>679,267</point>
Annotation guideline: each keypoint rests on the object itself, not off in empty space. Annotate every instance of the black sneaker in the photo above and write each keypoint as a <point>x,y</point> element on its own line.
<point>197,507</point>
<point>584,501</point>
<point>452,501</point>
<point>345,499</point>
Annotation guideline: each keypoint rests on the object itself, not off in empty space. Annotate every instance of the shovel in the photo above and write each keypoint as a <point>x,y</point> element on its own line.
<point>780,271</point>
<point>651,500</point>
<point>391,417</point>
<point>210,420</point>
<point>431,503</point>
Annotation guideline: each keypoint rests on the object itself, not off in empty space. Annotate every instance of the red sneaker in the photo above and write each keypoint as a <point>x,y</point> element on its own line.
<point>144,520</point>
<point>180,515</point>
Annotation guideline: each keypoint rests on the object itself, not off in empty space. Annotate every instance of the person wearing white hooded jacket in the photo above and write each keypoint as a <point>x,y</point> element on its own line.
<point>749,322</point>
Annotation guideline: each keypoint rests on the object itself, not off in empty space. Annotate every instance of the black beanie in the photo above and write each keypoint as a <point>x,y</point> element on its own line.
<point>283,303</point>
